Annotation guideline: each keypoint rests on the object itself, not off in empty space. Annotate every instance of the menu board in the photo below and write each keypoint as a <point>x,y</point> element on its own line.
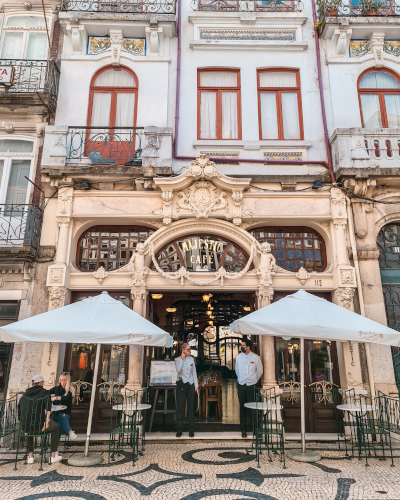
<point>163,373</point>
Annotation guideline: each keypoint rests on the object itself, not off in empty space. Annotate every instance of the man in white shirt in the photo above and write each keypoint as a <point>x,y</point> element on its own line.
<point>248,370</point>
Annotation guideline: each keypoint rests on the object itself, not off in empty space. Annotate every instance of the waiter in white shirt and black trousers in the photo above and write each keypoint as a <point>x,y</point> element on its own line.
<point>248,370</point>
<point>186,388</point>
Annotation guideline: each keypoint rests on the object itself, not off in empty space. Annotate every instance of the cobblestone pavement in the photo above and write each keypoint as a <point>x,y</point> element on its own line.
<point>198,470</point>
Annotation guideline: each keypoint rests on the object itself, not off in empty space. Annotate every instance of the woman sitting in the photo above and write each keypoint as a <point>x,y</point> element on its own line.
<point>62,395</point>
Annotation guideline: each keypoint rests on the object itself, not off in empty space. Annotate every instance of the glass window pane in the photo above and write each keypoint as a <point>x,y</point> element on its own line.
<point>27,21</point>
<point>208,115</point>
<point>15,146</point>
<point>125,110</point>
<point>218,79</point>
<point>269,115</point>
<point>101,110</point>
<point>278,79</point>
<point>12,45</point>
<point>17,184</point>
<point>371,110</point>
<point>229,115</point>
<point>115,78</point>
<point>392,103</point>
<point>37,46</point>
<point>379,80</point>
<point>290,115</point>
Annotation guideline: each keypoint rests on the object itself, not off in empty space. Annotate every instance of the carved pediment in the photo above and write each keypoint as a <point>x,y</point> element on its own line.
<point>202,191</point>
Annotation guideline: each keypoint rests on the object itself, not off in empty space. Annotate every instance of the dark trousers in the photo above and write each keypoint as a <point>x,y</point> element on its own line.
<point>246,395</point>
<point>185,392</point>
<point>52,429</point>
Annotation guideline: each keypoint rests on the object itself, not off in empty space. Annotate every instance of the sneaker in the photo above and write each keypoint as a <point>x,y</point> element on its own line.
<point>179,434</point>
<point>72,436</point>
<point>54,460</point>
<point>30,460</point>
<point>244,434</point>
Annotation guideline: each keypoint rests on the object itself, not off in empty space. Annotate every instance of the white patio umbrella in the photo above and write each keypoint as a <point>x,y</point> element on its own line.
<point>310,317</point>
<point>96,320</point>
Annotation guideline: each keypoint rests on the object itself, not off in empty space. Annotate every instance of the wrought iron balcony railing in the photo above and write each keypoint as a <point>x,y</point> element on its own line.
<point>124,6</point>
<point>35,82</point>
<point>334,8</point>
<point>105,146</point>
<point>20,226</point>
<point>248,5</point>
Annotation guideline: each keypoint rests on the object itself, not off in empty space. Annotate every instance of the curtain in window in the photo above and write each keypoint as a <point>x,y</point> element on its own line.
<point>392,103</point>
<point>379,80</point>
<point>125,110</point>
<point>371,110</point>
<point>269,115</point>
<point>17,184</point>
<point>218,79</point>
<point>26,21</point>
<point>208,115</point>
<point>37,46</point>
<point>290,115</point>
<point>115,78</point>
<point>101,109</point>
<point>1,170</point>
<point>12,45</point>
<point>229,115</point>
<point>278,79</point>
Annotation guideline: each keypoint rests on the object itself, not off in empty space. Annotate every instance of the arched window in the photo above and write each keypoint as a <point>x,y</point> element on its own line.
<point>379,94</point>
<point>202,253</point>
<point>294,247</point>
<point>109,246</point>
<point>113,98</point>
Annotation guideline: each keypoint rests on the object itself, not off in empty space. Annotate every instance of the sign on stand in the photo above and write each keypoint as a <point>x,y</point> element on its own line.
<point>7,75</point>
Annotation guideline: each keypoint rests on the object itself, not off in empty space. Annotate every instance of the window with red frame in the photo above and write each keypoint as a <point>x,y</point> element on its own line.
<point>113,98</point>
<point>219,104</point>
<point>379,94</point>
<point>279,104</point>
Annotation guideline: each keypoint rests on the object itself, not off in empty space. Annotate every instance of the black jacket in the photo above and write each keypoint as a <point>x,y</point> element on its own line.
<point>66,398</point>
<point>31,412</point>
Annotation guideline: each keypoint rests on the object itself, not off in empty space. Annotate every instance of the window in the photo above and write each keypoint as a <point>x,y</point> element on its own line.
<point>113,98</point>
<point>379,94</point>
<point>279,103</point>
<point>13,185</point>
<point>218,103</point>
<point>25,37</point>
<point>294,247</point>
<point>109,246</point>
<point>8,314</point>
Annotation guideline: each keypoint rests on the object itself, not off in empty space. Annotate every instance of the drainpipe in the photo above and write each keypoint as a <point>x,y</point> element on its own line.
<point>360,292</point>
<point>327,165</point>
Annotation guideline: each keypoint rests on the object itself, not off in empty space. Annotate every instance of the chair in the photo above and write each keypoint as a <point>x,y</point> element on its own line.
<point>343,419</point>
<point>212,394</point>
<point>32,417</point>
<point>268,431</point>
<point>8,417</point>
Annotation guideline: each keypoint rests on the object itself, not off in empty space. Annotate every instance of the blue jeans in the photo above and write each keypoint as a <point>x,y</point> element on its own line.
<point>62,420</point>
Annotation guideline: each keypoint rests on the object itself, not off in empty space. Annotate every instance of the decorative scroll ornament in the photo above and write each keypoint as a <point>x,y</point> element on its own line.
<point>78,387</point>
<point>302,275</point>
<point>324,386</point>
<point>101,274</point>
<point>346,296</point>
<point>222,274</point>
<point>293,396</point>
<point>202,198</point>
<point>56,294</point>
<point>202,167</point>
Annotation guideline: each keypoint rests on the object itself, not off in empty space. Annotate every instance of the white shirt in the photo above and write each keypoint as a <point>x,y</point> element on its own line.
<point>186,370</point>
<point>248,368</point>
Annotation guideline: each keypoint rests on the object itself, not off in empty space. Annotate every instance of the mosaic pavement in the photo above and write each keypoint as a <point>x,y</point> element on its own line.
<point>196,471</point>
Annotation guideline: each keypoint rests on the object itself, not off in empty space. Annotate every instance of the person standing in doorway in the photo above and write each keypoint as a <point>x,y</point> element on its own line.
<point>186,388</point>
<point>248,370</point>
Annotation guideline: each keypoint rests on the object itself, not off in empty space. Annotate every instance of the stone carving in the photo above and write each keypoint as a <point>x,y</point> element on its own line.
<point>63,220</point>
<point>339,223</point>
<point>138,293</point>
<point>324,224</point>
<point>56,276</point>
<point>51,381</point>
<point>202,167</point>
<point>338,204</point>
<point>166,210</point>
<point>265,293</point>
<point>346,296</point>
<point>56,294</point>
<point>202,198</point>
<point>347,277</point>
<point>302,275</point>
<point>267,265</point>
<point>78,224</point>
<point>59,141</point>
<point>153,223</point>
<point>65,201</point>
<point>101,274</point>
<point>137,267</point>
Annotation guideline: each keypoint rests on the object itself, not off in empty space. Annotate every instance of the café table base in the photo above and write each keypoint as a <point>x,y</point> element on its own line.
<point>299,456</point>
<point>79,460</point>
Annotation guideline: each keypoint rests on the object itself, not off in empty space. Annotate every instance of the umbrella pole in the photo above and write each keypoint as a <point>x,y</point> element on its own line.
<point>86,460</point>
<point>303,455</point>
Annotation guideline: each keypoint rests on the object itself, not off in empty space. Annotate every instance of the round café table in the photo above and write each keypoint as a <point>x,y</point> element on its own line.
<point>356,412</point>
<point>131,407</point>
<point>263,406</point>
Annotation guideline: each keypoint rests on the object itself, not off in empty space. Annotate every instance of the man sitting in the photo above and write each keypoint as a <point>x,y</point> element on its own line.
<point>35,417</point>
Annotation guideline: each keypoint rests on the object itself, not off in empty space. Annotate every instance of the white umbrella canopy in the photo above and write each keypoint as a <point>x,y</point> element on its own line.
<point>307,316</point>
<point>100,319</point>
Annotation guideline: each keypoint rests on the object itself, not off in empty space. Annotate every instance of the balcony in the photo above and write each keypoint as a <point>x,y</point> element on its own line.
<point>35,84</point>
<point>358,8</point>
<point>247,5</point>
<point>20,228</point>
<point>121,6</point>
<point>359,148</point>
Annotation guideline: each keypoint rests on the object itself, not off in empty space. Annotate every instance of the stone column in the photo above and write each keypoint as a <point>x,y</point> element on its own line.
<point>265,296</point>
<point>134,381</point>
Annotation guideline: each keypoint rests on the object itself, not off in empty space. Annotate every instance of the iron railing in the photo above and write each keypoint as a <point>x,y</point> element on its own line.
<point>334,8</point>
<point>105,146</point>
<point>20,226</point>
<point>39,79</point>
<point>118,6</point>
<point>248,5</point>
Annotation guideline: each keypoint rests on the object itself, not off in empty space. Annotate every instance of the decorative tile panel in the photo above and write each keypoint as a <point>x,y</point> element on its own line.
<point>221,154</point>
<point>292,156</point>
<point>216,35</point>
<point>359,48</point>
<point>99,44</point>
